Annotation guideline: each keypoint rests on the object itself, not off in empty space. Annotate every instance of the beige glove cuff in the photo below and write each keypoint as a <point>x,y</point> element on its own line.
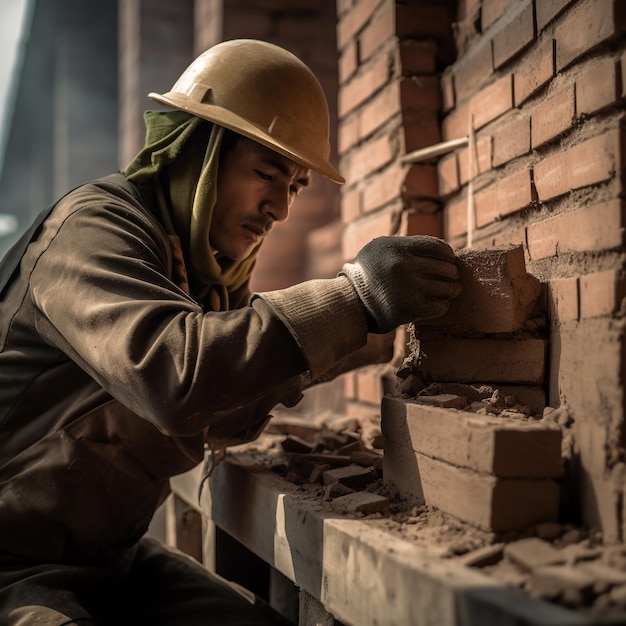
<point>325,316</point>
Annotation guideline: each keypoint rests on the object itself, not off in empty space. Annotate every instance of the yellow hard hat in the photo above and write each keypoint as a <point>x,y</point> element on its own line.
<point>263,92</point>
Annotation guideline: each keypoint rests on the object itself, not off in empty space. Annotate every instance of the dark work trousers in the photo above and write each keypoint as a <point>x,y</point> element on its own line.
<point>157,587</point>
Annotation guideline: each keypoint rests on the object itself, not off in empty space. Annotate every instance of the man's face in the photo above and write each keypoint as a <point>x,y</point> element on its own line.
<point>255,188</point>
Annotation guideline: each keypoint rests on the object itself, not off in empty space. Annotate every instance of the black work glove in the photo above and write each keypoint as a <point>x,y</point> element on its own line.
<point>403,279</point>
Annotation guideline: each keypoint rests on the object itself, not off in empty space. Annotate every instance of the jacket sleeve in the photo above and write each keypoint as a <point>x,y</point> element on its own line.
<point>103,296</point>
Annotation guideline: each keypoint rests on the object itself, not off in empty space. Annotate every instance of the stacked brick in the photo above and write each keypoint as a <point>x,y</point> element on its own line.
<point>448,446</point>
<point>391,58</point>
<point>539,88</point>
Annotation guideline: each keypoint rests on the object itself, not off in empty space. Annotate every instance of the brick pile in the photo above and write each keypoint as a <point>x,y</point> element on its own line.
<point>468,437</point>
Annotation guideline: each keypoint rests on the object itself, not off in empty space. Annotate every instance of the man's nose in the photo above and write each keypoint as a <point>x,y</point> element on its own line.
<point>277,206</point>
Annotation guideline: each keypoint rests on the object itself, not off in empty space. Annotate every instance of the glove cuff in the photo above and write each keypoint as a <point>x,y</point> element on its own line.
<point>375,316</point>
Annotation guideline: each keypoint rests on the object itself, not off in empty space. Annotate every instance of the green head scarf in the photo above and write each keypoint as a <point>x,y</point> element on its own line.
<point>179,163</point>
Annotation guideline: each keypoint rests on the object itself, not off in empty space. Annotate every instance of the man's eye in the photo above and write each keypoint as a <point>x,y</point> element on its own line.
<point>264,175</point>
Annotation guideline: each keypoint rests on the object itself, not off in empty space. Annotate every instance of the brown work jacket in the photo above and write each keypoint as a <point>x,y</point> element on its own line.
<point>113,378</point>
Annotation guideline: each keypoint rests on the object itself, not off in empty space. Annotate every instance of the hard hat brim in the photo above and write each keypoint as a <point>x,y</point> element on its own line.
<point>234,122</point>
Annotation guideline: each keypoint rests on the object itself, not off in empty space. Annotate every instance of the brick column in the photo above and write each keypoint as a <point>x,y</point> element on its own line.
<point>391,57</point>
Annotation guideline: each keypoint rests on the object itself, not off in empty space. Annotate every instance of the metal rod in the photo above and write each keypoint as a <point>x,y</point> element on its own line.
<point>435,150</point>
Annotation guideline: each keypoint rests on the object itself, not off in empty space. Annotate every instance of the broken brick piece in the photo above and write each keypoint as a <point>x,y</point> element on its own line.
<point>365,458</point>
<point>336,490</point>
<point>481,557</point>
<point>292,443</point>
<point>333,440</point>
<point>443,400</point>
<point>350,448</point>
<point>317,473</point>
<point>533,552</point>
<point>571,585</point>
<point>353,476</point>
<point>497,296</point>
<point>363,502</point>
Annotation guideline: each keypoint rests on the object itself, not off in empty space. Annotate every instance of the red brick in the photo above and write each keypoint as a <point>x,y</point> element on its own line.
<point>353,476</point>
<point>563,299</point>
<point>517,33</point>
<point>534,71</point>
<point>424,224</point>
<point>552,117</point>
<point>491,503</point>
<point>358,233</point>
<point>343,6</point>
<point>363,85</point>
<point>420,92</point>
<point>466,8</point>
<point>498,293</point>
<point>590,229</point>
<point>504,197</point>
<point>484,154</point>
<point>596,87</point>
<point>380,29</point>
<point>448,174</point>
<point>473,69</point>
<point>362,502</point>
<point>590,162</point>
<point>353,21</point>
<point>601,293</point>
<point>492,101</point>
<point>418,57</point>
<point>420,182</point>
<point>383,187</point>
<point>589,24</point>
<point>379,110</point>
<point>447,90</point>
<point>348,133</point>
<point>482,160</point>
<point>350,204</point>
<point>508,237</point>
<point>348,62</point>
<point>350,390</point>
<point>511,139</point>
<point>547,10</point>
<point>520,361</point>
<point>485,444</point>
<point>423,20</point>
<point>420,129</point>
<point>456,124</point>
<point>367,158</point>
<point>465,166</point>
<point>369,386</point>
<point>492,10</point>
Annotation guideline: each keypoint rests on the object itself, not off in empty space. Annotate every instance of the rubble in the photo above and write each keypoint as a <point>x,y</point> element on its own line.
<point>558,562</point>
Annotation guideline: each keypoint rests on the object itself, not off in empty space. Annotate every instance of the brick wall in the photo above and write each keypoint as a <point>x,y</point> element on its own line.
<point>537,87</point>
<point>390,102</point>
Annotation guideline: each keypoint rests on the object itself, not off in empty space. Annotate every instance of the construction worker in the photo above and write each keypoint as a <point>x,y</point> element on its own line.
<point>130,344</point>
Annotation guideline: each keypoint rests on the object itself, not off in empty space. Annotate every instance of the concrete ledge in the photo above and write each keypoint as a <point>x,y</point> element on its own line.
<point>362,574</point>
